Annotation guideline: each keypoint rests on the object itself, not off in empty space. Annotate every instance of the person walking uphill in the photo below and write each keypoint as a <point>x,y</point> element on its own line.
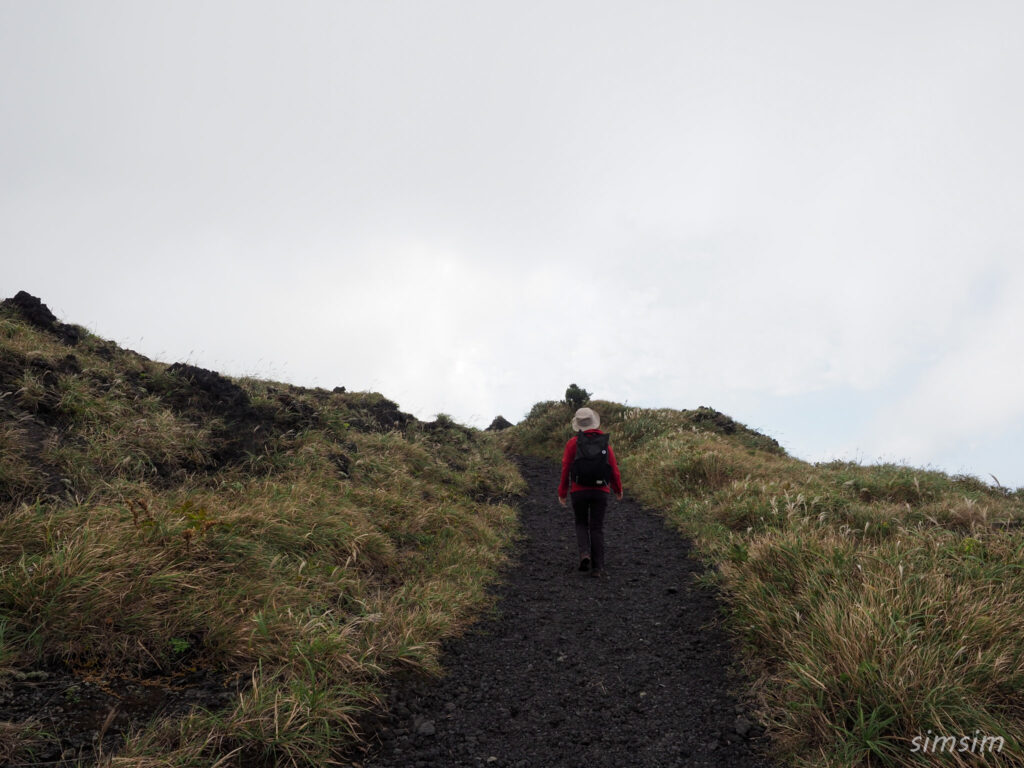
<point>590,475</point>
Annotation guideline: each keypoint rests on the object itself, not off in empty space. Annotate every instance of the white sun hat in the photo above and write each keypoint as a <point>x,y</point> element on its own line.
<point>585,419</point>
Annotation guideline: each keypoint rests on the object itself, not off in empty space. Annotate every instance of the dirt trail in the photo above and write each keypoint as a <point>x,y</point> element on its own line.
<point>631,670</point>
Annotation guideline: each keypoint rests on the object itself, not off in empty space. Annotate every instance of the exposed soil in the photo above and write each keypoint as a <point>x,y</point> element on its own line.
<point>632,669</point>
<point>84,715</point>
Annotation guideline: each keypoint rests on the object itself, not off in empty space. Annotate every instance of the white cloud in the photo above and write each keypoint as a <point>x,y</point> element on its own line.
<point>469,207</point>
<point>972,393</point>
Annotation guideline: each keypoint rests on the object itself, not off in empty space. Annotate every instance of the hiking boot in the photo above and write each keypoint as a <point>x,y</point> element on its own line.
<point>585,563</point>
<point>598,573</point>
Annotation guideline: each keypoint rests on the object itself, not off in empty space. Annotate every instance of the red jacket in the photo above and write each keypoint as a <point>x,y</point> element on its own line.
<point>567,459</point>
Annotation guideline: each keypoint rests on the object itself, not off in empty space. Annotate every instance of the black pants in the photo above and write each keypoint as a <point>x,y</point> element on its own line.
<point>589,507</point>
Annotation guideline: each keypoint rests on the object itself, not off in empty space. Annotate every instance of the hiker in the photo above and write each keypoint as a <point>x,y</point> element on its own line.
<point>594,475</point>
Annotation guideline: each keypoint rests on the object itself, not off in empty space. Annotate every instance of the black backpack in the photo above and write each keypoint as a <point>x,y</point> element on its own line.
<point>590,466</point>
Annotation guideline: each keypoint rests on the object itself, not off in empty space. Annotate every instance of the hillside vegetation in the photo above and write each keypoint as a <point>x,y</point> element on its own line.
<point>156,520</point>
<point>874,604</point>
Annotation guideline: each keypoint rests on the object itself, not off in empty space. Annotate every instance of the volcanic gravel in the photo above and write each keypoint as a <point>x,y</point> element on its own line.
<point>629,670</point>
<point>86,716</point>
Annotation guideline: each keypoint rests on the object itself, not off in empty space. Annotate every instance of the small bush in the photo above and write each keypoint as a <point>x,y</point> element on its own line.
<point>539,409</point>
<point>576,397</point>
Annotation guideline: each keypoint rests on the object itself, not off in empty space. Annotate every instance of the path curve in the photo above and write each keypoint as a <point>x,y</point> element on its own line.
<point>631,670</point>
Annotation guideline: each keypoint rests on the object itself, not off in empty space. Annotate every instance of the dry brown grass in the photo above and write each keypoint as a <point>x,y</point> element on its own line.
<point>874,603</point>
<point>336,554</point>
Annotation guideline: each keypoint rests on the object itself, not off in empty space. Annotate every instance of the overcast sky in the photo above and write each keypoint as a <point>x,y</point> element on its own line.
<point>807,215</point>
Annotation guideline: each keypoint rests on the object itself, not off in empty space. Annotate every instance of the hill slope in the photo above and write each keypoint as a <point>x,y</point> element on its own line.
<point>170,536</point>
<point>876,604</point>
<point>632,669</point>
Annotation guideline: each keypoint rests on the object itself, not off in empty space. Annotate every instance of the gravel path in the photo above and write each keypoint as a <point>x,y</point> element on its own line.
<point>630,670</point>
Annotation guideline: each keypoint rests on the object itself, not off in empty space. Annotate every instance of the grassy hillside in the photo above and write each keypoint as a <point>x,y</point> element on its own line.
<point>875,604</point>
<point>158,520</point>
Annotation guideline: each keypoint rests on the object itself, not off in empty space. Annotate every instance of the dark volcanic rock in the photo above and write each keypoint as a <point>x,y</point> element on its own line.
<point>499,423</point>
<point>389,416</point>
<point>380,415</point>
<point>716,421</point>
<point>295,414</point>
<point>629,670</point>
<point>199,394</point>
<point>444,422</point>
<point>208,391</point>
<point>39,315</point>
